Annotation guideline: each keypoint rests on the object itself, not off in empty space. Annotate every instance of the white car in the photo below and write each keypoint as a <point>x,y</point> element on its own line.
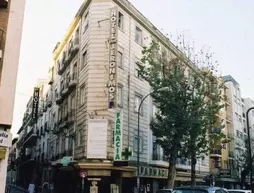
<point>238,191</point>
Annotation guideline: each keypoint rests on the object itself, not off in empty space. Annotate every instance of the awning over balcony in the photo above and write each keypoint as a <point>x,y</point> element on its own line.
<point>2,152</point>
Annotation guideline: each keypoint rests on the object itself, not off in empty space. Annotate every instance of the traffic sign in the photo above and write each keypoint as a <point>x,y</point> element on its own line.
<point>83,173</point>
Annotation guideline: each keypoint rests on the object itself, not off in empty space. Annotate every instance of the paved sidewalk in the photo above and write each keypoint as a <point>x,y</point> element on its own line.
<point>15,189</point>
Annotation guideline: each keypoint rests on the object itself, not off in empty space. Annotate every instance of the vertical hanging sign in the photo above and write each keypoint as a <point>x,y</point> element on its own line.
<point>118,137</point>
<point>112,83</point>
<point>36,97</point>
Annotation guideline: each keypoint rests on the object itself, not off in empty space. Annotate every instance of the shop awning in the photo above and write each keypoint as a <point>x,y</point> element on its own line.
<point>2,152</point>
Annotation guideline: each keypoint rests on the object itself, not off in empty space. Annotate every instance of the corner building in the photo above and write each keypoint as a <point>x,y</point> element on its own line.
<point>94,81</point>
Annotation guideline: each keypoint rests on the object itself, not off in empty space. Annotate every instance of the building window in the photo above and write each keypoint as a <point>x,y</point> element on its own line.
<point>120,20</point>
<point>138,35</point>
<point>79,138</point>
<point>85,23</point>
<point>73,102</point>
<point>82,95</point>
<point>137,71</point>
<point>135,145</point>
<point>236,114</point>
<point>120,96</point>
<point>84,59</point>
<point>137,103</point>
<point>120,59</point>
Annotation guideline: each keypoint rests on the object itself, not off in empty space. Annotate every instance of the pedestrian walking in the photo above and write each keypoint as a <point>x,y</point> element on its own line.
<point>31,187</point>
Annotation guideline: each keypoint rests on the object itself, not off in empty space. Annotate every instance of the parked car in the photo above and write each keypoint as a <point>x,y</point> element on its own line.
<point>165,191</point>
<point>238,191</point>
<point>199,189</point>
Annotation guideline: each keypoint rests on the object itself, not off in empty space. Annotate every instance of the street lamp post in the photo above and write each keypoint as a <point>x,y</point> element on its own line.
<point>138,145</point>
<point>249,145</point>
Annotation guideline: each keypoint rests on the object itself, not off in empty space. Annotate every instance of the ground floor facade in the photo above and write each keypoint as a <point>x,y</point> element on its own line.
<point>108,177</point>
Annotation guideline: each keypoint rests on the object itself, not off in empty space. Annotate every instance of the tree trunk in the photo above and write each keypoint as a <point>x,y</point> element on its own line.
<point>193,169</point>
<point>244,174</point>
<point>172,171</point>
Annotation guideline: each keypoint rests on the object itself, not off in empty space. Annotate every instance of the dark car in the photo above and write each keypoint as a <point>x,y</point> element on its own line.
<point>199,189</point>
<point>165,191</point>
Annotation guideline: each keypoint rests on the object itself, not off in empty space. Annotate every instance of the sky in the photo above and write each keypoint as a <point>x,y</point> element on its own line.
<point>225,27</point>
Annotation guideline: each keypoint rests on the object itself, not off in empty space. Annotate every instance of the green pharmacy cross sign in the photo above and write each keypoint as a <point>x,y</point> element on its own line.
<point>126,154</point>
<point>65,161</point>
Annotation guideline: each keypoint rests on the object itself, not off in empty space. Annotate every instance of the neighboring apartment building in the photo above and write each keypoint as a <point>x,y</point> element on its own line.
<point>11,23</point>
<point>91,106</point>
<point>12,169</point>
<point>249,103</point>
<point>220,167</point>
<point>32,138</point>
<point>236,118</point>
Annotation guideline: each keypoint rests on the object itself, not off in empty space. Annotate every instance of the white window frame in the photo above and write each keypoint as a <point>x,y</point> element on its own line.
<point>79,138</point>
<point>82,94</point>
<point>120,20</point>
<point>138,35</point>
<point>120,62</point>
<point>85,22</point>
<point>84,59</point>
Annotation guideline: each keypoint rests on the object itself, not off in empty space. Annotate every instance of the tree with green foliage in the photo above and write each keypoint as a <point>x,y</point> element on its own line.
<point>187,111</point>
<point>242,161</point>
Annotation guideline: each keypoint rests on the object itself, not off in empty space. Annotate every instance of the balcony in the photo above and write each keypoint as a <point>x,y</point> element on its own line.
<point>73,49</point>
<point>56,129</point>
<point>226,99</point>
<point>73,81</point>
<point>27,158</point>
<point>70,117</point>
<point>27,119</point>
<point>64,88</point>
<point>30,139</point>
<point>59,98</point>
<point>62,64</point>
<point>61,123</point>
<point>215,153</point>
<point>229,119</point>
